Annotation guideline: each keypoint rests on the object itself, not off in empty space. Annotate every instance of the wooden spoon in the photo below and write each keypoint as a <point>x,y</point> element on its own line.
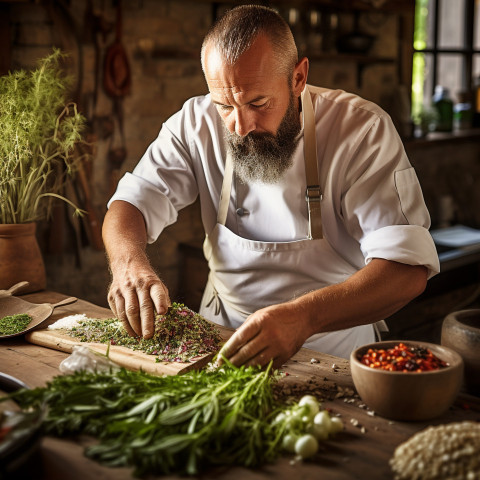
<point>40,312</point>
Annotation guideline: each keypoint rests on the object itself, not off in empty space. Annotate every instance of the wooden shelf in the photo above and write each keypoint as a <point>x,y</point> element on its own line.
<point>457,136</point>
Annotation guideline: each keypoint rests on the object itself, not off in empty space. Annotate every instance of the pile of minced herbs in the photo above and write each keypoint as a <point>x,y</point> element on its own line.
<point>180,335</point>
<point>12,324</point>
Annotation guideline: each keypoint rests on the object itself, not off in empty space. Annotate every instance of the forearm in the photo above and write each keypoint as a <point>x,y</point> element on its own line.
<point>375,292</point>
<point>136,292</point>
<point>278,331</point>
<point>124,234</point>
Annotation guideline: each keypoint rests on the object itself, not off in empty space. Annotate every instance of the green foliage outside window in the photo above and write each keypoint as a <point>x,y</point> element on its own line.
<point>419,43</point>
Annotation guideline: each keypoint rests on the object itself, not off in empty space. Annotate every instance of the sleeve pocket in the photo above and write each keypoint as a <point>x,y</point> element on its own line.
<point>410,196</point>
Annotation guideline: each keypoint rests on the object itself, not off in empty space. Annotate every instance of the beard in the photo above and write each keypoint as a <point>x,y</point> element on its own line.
<point>264,157</point>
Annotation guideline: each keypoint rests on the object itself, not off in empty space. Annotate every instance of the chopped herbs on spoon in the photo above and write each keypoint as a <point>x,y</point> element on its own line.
<point>180,335</point>
<point>12,324</point>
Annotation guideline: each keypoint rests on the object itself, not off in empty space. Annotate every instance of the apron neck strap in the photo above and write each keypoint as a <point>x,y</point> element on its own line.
<point>313,195</point>
<point>226,190</point>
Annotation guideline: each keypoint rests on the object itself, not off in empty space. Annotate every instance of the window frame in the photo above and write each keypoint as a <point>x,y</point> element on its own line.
<point>467,52</point>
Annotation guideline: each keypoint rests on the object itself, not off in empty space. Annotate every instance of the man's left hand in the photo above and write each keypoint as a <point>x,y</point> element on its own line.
<point>272,333</point>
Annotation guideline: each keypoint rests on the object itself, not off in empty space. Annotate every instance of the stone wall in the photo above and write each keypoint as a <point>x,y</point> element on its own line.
<point>162,39</point>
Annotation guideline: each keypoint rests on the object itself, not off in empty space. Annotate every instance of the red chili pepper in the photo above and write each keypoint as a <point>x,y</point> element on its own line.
<point>401,358</point>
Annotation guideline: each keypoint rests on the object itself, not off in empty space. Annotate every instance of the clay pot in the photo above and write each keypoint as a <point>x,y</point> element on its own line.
<point>21,258</point>
<point>461,332</point>
<point>408,396</point>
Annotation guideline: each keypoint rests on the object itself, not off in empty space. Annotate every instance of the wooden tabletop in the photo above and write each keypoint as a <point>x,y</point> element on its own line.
<point>362,450</point>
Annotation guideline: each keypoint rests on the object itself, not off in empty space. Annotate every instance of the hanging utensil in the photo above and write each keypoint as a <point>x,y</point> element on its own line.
<point>117,78</point>
<point>117,84</point>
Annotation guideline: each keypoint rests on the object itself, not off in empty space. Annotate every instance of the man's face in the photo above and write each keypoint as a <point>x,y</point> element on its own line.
<point>259,110</point>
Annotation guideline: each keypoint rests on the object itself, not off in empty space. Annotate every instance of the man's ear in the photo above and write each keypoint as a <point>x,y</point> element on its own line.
<point>300,74</point>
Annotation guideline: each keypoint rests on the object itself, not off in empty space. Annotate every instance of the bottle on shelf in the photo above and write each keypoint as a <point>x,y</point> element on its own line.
<point>476,104</point>
<point>463,112</point>
<point>443,104</point>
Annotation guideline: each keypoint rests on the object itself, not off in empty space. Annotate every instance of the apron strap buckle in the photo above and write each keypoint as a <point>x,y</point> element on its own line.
<point>313,196</point>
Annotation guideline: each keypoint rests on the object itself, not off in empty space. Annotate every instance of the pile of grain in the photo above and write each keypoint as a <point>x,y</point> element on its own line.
<point>446,451</point>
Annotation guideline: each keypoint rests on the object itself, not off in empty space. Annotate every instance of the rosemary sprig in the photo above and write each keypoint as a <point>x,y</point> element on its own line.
<point>180,424</point>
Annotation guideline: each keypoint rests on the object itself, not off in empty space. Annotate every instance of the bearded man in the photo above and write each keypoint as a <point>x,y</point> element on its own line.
<point>316,228</point>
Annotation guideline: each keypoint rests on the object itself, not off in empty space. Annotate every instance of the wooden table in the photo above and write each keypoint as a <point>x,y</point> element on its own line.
<point>361,451</point>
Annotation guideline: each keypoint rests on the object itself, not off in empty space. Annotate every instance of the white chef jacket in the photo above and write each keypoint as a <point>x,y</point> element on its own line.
<point>372,203</point>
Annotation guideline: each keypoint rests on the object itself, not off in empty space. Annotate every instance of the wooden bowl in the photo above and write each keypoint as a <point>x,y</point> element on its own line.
<point>408,396</point>
<point>461,332</point>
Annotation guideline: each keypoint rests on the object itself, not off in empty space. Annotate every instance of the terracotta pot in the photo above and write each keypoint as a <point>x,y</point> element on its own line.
<point>21,258</point>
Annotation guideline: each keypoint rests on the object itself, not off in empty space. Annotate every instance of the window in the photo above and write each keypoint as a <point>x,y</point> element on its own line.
<point>446,50</point>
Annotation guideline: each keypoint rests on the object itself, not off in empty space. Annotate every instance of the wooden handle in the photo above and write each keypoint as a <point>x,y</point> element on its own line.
<point>14,289</point>
<point>65,301</point>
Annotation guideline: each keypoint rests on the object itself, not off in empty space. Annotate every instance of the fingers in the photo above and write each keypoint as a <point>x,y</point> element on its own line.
<point>135,306</point>
<point>117,305</point>
<point>246,333</point>
<point>161,299</point>
<point>262,358</point>
<point>266,336</point>
<point>245,346</point>
<point>146,315</point>
<point>254,352</point>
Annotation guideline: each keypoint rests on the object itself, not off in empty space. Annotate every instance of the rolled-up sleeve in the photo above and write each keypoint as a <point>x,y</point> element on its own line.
<point>410,244</point>
<point>383,204</point>
<point>142,194</point>
<point>163,182</point>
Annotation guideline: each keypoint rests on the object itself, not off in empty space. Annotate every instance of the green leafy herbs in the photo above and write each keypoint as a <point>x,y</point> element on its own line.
<point>180,335</point>
<point>180,424</point>
<point>40,130</point>
<point>12,324</point>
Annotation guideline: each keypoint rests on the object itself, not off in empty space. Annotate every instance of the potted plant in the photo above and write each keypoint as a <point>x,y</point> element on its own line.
<point>426,121</point>
<point>40,132</point>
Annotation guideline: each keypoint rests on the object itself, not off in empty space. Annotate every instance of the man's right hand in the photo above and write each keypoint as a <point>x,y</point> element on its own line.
<point>135,296</point>
<point>136,292</point>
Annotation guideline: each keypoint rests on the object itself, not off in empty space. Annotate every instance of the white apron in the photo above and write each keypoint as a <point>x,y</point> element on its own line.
<point>246,275</point>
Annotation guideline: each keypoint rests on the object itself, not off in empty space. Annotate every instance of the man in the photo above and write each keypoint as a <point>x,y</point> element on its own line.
<point>320,231</point>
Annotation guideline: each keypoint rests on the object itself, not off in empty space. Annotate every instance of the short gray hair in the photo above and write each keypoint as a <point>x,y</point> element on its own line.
<point>234,33</point>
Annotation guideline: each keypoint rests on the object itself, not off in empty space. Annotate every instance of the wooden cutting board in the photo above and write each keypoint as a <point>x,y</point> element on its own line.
<point>123,356</point>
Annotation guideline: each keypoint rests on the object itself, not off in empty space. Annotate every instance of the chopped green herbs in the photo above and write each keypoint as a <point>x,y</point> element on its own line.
<point>180,335</point>
<point>169,424</point>
<point>12,324</point>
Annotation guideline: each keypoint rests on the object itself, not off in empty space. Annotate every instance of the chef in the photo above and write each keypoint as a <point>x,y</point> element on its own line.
<point>316,227</point>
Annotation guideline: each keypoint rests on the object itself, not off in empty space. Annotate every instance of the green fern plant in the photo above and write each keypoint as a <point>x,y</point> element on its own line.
<point>40,132</point>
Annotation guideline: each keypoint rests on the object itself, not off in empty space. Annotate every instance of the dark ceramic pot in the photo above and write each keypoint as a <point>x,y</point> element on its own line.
<point>461,332</point>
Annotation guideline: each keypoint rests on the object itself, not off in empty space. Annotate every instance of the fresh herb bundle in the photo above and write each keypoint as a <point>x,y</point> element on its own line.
<point>180,335</point>
<point>12,324</point>
<point>40,130</point>
<point>180,423</point>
